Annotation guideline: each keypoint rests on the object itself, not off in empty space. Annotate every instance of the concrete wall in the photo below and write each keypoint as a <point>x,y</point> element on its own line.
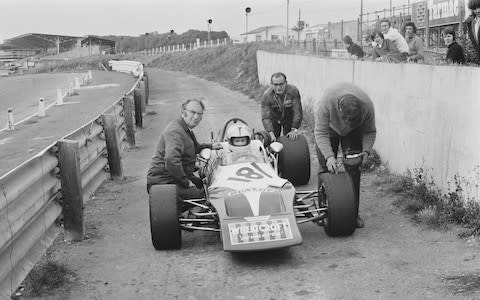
<point>427,116</point>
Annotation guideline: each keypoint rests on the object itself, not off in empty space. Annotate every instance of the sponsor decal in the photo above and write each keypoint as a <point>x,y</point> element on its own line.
<point>260,231</point>
<point>250,189</point>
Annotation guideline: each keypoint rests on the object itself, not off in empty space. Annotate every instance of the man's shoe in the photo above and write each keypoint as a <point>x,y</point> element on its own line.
<point>360,223</point>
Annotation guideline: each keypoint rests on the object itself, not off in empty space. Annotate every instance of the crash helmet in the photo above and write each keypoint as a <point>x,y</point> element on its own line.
<point>238,135</point>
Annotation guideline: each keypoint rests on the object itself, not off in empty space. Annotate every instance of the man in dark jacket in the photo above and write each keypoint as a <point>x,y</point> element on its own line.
<point>472,26</point>
<point>281,108</point>
<point>355,50</point>
<point>344,115</point>
<point>174,160</point>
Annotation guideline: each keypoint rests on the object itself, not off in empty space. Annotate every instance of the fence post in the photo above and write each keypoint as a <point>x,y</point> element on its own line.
<point>59,97</point>
<point>72,194</point>
<point>137,98</point>
<point>128,115</point>
<point>314,46</point>
<point>10,122</point>
<point>41,107</point>
<point>113,150</point>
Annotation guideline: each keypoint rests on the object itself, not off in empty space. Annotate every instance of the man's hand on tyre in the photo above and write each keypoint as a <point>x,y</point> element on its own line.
<point>196,182</point>
<point>364,158</point>
<point>272,136</point>
<point>332,164</point>
<point>292,134</point>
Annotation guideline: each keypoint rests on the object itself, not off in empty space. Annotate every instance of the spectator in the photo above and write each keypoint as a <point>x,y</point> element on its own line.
<point>344,116</point>
<point>472,26</point>
<point>174,160</point>
<point>415,43</point>
<point>455,53</point>
<point>352,48</point>
<point>392,34</point>
<point>384,49</point>
<point>281,108</point>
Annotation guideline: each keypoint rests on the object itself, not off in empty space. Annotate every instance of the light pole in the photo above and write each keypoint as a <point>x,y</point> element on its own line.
<point>209,21</point>
<point>247,11</point>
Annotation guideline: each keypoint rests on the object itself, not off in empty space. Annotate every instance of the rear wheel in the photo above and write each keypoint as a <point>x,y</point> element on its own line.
<point>294,160</point>
<point>338,194</point>
<point>164,209</point>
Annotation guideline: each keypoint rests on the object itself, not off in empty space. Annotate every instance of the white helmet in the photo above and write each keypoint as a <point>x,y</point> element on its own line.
<point>238,134</point>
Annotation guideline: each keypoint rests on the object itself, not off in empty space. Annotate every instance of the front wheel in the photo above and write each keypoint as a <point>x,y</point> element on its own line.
<point>294,160</point>
<point>338,194</point>
<point>164,225</point>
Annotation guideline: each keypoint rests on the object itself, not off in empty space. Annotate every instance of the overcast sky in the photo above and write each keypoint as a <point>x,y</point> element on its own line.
<point>135,17</point>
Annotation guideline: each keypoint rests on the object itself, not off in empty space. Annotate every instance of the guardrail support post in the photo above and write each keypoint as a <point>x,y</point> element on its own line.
<point>113,149</point>
<point>146,86</point>
<point>137,97</point>
<point>128,115</point>
<point>71,181</point>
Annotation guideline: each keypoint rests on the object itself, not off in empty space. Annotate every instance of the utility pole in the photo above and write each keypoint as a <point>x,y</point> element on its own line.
<point>360,38</point>
<point>298,26</point>
<point>286,40</point>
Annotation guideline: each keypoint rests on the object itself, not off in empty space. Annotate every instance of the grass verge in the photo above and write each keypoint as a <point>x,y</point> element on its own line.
<point>423,201</point>
<point>47,275</point>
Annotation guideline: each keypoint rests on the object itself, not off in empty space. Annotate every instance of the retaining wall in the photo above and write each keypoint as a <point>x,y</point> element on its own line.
<point>427,116</point>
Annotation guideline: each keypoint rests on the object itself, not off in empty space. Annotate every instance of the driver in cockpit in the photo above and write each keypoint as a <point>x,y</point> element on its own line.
<point>239,147</point>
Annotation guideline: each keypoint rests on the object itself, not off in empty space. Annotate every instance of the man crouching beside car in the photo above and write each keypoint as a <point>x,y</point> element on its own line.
<point>175,157</point>
<point>344,115</point>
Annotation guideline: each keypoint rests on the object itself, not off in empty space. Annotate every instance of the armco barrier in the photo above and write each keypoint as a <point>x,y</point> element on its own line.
<point>59,181</point>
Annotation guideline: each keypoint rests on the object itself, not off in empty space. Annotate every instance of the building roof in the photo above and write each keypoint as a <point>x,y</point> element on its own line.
<point>39,40</point>
<point>262,29</point>
<point>99,40</point>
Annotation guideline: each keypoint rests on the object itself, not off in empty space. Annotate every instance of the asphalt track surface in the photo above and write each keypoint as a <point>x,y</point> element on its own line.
<point>391,258</point>
<point>35,134</point>
<point>23,92</point>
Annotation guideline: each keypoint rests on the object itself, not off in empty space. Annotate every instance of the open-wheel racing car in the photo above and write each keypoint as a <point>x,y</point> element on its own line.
<point>250,197</point>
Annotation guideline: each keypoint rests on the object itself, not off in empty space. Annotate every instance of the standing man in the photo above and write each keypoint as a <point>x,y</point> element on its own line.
<point>281,108</point>
<point>344,115</point>
<point>472,26</point>
<point>392,34</point>
<point>174,160</point>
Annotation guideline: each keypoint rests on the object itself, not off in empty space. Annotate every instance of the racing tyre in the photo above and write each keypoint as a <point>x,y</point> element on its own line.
<point>294,160</point>
<point>164,226</point>
<point>338,194</point>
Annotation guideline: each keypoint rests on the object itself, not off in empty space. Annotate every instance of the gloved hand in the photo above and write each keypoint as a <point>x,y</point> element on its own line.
<point>196,181</point>
<point>332,164</point>
<point>292,134</point>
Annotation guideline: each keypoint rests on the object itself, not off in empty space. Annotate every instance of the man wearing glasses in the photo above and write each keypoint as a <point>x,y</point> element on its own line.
<point>174,160</point>
<point>281,108</point>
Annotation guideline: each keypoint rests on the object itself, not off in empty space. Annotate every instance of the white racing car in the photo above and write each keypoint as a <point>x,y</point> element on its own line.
<point>251,199</point>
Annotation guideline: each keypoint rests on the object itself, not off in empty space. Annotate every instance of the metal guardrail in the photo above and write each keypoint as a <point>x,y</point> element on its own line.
<point>57,182</point>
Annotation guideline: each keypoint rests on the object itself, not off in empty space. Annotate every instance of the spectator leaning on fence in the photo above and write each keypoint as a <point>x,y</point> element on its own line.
<point>472,26</point>
<point>352,48</point>
<point>392,34</point>
<point>455,53</point>
<point>415,43</point>
<point>384,49</point>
